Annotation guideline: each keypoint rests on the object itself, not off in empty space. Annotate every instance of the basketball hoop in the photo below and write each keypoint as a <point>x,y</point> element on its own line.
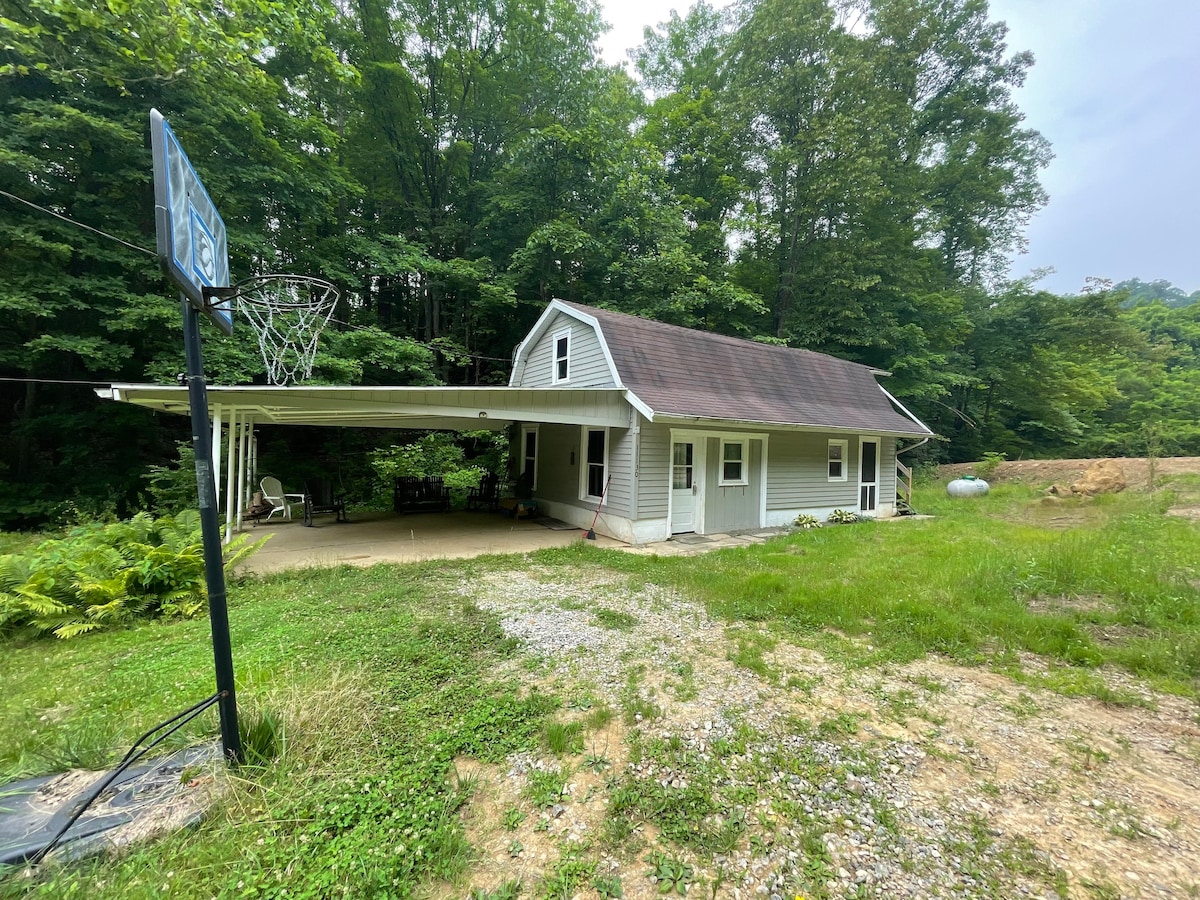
<point>288,314</point>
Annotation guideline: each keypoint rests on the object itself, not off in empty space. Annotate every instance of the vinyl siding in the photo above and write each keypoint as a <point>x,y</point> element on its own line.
<point>588,366</point>
<point>798,477</point>
<point>653,469</point>
<point>737,506</point>
<point>558,477</point>
<point>887,470</point>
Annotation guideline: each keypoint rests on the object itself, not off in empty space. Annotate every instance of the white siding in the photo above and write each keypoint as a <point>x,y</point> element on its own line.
<point>588,366</point>
<point>654,471</point>
<point>559,461</point>
<point>734,507</point>
<point>798,474</point>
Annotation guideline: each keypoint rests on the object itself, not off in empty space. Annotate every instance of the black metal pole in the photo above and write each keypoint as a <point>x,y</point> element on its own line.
<point>214,569</point>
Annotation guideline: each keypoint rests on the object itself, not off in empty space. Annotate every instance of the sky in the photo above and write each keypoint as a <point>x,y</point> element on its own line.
<point>1116,90</point>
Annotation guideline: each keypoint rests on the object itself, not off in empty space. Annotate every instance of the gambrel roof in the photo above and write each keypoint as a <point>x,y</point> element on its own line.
<point>681,373</point>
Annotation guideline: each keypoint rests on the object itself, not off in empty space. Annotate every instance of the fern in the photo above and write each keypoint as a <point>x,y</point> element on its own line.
<point>107,575</point>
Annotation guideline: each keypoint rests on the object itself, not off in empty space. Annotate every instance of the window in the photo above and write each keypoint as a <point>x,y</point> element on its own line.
<point>562,356</point>
<point>595,462</point>
<point>733,462</point>
<point>681,467</point>
<point>837,460</point>
<point>529,438</point>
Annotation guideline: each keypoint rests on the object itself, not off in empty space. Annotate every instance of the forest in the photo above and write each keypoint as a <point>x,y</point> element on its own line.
<point>848,176</point>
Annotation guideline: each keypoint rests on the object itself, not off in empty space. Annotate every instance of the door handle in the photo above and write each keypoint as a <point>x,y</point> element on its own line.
<point>693,489</point>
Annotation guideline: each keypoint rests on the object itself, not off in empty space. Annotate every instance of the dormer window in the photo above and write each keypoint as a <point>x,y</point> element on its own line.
<point>562,355</point>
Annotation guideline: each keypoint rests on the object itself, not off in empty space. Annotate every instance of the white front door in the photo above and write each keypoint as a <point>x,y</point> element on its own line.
<point>868,477</point>
<point>683,487</point>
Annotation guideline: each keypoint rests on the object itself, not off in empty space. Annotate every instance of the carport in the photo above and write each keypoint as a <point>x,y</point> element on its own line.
<point>238,410</point>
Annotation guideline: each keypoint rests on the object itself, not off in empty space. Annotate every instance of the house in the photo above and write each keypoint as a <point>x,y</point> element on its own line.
<point>723,434</point>
<point>665,430</point>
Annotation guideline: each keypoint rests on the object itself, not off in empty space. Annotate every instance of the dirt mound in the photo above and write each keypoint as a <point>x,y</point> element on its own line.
<point>1067,471</point>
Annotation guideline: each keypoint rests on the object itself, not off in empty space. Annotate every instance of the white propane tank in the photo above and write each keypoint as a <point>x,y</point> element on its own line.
<point>967,486</point>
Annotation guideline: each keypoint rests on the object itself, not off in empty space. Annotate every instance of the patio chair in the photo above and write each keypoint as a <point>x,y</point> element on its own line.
<point>486,494</point>
<point>273,493</point>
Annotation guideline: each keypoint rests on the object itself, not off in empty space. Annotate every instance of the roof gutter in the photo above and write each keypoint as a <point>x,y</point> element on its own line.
<point>904,409</point>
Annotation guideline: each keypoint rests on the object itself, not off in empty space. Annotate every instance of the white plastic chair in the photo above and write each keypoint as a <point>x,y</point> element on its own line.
<point>272,492</point>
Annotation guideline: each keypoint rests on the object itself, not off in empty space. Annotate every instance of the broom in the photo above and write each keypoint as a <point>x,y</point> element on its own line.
<point>591,534</point>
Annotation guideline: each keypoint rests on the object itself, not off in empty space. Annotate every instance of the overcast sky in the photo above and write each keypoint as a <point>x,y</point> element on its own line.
<point>1116,90</point>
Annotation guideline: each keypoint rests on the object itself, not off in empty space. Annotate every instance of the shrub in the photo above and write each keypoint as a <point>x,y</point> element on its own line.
<point>842,517</point>
<point>806,521</point>
<point>987,466</point>
<point>434,455</point>
<point>110,574</point>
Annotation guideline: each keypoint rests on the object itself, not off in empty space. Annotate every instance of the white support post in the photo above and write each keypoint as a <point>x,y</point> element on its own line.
<point>251,457</point>
<point>231,453</point>
<point>241,500</point>
<point>216,453</point>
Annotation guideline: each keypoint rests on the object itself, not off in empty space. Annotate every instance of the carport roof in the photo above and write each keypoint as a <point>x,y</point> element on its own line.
<point>391,407</point>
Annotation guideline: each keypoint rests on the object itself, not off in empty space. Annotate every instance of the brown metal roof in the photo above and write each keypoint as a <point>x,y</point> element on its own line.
<point>688,373</point>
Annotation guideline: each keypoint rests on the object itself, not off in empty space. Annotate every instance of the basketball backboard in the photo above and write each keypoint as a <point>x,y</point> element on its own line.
<point>191,235</point>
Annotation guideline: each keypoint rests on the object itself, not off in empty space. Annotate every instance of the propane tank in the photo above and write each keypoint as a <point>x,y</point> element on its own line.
<point>967,486</point>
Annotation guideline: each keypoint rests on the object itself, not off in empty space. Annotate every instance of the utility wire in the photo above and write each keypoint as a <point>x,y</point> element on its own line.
<point>54,381</point>
<point>124,243</point>
<point>71,221</point>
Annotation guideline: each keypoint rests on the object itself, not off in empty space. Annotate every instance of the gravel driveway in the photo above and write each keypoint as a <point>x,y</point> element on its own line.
<point>738,764</point>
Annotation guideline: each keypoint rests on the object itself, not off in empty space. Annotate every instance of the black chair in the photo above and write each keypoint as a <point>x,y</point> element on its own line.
<point>320,499</point>
<point>486,494</point>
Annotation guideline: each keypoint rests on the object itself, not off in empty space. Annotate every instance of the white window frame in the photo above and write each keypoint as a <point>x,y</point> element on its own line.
<point>555,359</point>
<point>845,460</point>
<point>584,431</point>
<point>744,479</point>
<point>537,451</point>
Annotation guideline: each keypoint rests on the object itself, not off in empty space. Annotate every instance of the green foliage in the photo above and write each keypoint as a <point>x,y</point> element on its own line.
<point>374,712</point>
<point>105,575</point>
<point>671,875</point>
<point>614,619</point>
<point>842,517</point>
<point>545,787</point>
<point>805,521</point>
<point>172,489</point>
<point>987,466</point>
<point>435,454</point>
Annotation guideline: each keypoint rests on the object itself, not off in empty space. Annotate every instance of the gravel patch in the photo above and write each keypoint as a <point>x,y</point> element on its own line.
<point>929,780</point>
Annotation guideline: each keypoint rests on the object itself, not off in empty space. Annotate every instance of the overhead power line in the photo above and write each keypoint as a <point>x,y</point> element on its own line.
<point>70,221</point>
<point>124,243</point>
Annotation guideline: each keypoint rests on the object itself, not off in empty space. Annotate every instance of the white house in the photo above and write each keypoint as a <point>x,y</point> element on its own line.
<point>666,430</point>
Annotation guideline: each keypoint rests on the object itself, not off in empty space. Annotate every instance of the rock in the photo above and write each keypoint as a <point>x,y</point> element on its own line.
<point>1102,477</point>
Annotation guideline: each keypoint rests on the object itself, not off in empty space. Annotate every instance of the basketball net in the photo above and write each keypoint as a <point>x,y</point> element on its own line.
<point>288,314</point>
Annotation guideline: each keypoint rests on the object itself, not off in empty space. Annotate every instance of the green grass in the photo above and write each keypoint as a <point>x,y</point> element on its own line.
<point>1118,586</point>
<point>360,688</point>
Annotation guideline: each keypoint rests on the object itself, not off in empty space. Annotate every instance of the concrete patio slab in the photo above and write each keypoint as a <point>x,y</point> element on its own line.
<point>371,538</point>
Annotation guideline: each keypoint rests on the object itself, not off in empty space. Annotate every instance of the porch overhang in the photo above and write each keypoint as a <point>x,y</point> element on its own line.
<point>423,408</point>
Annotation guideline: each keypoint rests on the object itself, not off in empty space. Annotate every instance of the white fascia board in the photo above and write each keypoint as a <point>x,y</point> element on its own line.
<point>904,409</point>
<point>389,406</point>
<point>539,329</point>
<point>640,405</point>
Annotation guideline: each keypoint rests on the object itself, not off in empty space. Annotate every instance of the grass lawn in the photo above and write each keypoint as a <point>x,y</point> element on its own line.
<point>386,679</point>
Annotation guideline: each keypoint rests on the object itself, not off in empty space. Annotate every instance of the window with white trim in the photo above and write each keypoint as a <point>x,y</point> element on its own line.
<point>594,456</point>
<point>734,458</point>
<point>837,460</point>
<point>561,343</point>
<point>529,442</point>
